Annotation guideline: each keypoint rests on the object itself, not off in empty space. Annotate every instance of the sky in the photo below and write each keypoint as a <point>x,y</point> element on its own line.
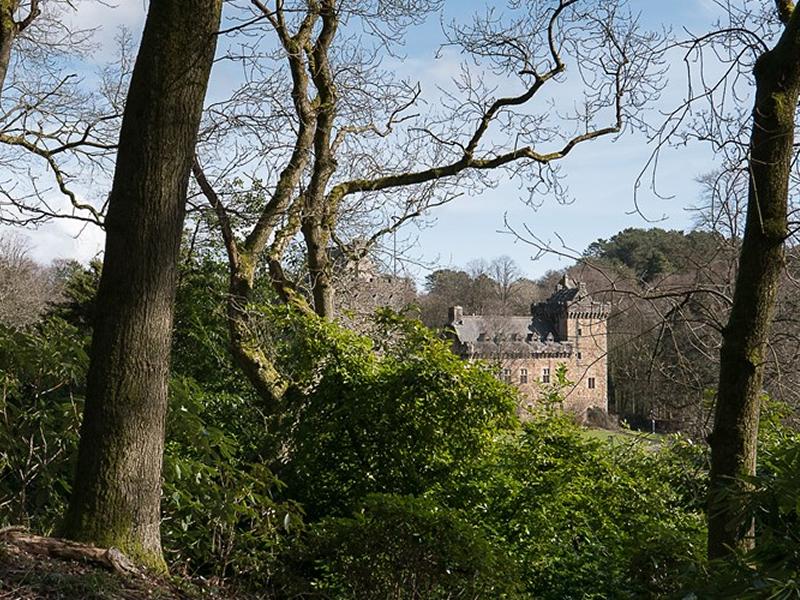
<point>599,175</point>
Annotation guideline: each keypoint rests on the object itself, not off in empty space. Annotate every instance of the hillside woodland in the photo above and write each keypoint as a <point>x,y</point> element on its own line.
<point>223,404</point>
<point>399,470</point>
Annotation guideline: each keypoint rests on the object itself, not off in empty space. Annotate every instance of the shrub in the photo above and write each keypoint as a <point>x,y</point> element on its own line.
<point>399,547</point>
<point>220,518</point>
<point>583,518</point>
<point>41,398</point>
<point>772,569</point>
<point>394,416</point>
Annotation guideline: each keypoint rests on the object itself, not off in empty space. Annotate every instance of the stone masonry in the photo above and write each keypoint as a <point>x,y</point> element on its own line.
<point>568,328</point>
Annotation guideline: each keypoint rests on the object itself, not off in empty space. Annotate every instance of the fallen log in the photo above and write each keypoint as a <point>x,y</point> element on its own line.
<point>110,558</point>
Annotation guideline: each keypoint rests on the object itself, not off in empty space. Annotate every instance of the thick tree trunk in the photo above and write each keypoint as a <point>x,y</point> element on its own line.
<point>8,32</point>
<point>733,441</point>
<point>246,348</point>
<point>316,239</point>
<point>117,489</point>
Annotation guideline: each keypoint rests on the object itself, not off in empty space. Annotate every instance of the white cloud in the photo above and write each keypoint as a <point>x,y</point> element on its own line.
<point>107,18</point>
<point>65,239</point>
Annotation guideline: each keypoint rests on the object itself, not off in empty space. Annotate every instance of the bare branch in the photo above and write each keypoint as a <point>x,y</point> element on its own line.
<point>219,210</point>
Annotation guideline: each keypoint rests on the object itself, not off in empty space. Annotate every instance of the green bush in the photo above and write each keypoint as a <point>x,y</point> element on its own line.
<point>394,416</point>
<point>219,514</point>
<point>584,518</point>
<point>42,371</point>
<point>398,547</point>
<point>772,569</point>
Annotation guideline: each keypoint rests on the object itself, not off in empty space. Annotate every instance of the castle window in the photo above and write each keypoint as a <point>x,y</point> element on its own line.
<point>579,355</point>
<point>591,383</point>
<point>523,375</point>
<point>580,331</point>
<point>546,375</point>
<point>506,375</point>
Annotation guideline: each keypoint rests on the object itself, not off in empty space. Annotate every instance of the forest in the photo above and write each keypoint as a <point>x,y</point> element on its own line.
<point>250,393</point>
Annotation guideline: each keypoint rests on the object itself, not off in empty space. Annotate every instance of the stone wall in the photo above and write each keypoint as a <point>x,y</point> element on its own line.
<point>578,398</point>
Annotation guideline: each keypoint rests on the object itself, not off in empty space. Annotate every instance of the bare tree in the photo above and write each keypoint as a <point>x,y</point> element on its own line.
<point>360,150</point>
<point>10,28</point>
<point>505,273</point>
<point>57,132</point>
<point>26,288</point>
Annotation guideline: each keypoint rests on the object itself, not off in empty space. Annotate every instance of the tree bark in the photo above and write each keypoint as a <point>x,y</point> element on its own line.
<point>8,33</point>
<point>10,28</point>
<point>316,239</point>
<point>734,437</point>
<point>117,490</point>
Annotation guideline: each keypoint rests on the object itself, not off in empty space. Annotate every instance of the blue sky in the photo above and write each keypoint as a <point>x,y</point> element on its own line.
<point>600,175</point>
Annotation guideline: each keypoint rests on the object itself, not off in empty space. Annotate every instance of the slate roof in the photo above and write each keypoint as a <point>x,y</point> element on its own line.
<point>493,335</point>
<point>563,295</point>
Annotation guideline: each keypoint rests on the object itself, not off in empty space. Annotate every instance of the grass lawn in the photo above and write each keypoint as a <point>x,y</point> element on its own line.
<point>625,436</point>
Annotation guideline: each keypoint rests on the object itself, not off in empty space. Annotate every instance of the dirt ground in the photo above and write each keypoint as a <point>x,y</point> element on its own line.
<point>25,576</point>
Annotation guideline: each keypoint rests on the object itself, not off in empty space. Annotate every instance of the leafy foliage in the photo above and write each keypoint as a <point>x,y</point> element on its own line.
<point>219,513</point>
<point>399,547</point>
<point>395,416</point>
<point>395,470</point>
<point>41,378</point>
<point>772,569</point>
<point>582,518</point>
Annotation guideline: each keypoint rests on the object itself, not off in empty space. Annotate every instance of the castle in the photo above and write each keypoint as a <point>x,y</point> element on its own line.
<point>568,328</point>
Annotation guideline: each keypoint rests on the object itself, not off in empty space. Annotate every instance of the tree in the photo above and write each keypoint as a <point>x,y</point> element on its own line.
<point>55,128</point>
<point>755,48</point>
<point>341,108</point>
<point>505,273</point>
<point>10,28</point>
<point>117,490</point>
<point>26,288</point>
<point>733,440</point>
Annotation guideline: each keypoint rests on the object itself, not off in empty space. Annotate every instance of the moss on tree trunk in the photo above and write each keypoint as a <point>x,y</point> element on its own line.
<point>8,33</point>
<point>117,490</point>
<point>733,440</point>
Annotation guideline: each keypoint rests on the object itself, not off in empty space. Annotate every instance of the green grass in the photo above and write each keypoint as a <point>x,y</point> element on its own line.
<point>625,436</point>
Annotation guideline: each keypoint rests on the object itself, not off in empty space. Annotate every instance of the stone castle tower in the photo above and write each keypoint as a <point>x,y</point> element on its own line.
<point>568,328</point>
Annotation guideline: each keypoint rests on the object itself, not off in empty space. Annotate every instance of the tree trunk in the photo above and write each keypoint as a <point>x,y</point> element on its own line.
<point>733,441</point>
<point>246,348</point>
<point>8,33</point>
<point>117,490</point>
<point>316,239</point>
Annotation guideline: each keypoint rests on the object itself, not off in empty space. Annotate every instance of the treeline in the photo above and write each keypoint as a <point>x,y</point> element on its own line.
<point>670,292</point>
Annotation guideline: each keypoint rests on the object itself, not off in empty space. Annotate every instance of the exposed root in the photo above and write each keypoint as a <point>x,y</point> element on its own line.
<point>111,558</point>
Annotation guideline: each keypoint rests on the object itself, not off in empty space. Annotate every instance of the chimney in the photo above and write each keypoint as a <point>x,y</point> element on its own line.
<point>454,314</point>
